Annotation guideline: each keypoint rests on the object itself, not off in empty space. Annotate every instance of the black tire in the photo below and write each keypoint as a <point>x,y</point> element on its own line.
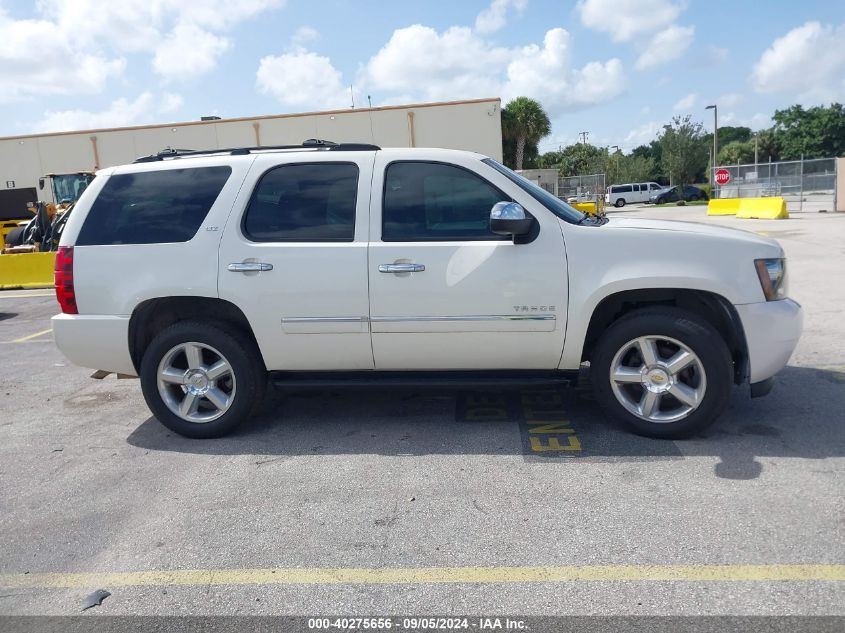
<point>686,328</point>
<point>619,203</point>
<point>238,350</point>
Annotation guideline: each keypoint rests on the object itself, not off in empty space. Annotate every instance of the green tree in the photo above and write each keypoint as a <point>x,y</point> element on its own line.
<point>525,122</point>
<point>683,152</point>
<point>736,152</point>
<point>767,146</point>
<point>582,159</point>
<point>729,134</point>
<point>817,132</point>
<point>632,168</point>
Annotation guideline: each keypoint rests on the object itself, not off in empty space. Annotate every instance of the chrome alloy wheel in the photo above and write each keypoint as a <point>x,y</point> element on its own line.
<point>196,382</point>
<point>658,379</point>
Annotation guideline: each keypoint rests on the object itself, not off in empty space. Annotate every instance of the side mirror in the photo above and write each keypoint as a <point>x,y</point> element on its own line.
<point>509,218</point>
<point>40,183</point>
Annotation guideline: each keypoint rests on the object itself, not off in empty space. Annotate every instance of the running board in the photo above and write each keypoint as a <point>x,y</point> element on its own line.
<point>441,379</point>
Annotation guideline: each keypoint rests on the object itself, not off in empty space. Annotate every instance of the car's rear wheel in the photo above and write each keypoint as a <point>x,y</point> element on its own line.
<point>202,380</point>
<point>662,371</point>
<point>620,203</point>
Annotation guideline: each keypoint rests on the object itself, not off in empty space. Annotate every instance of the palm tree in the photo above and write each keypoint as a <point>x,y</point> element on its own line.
<point>524,121</point>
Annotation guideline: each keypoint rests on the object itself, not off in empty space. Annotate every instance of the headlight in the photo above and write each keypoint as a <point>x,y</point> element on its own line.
<point>772,274</point>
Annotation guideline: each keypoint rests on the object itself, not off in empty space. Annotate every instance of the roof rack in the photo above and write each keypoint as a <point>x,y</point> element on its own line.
<point>311,143</point>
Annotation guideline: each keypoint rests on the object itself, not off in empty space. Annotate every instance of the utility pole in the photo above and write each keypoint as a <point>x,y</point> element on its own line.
<point>583,136</point>
<point>715,143</point>
<point>756,134</point>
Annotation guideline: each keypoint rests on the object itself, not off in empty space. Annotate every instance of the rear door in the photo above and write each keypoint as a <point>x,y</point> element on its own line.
<point>294,258</point>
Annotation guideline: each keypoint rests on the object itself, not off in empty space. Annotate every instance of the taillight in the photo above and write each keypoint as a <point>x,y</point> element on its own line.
<point>63,275</point>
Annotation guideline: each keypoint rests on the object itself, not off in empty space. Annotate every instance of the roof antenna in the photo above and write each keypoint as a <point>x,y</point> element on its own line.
<point>352,94</point>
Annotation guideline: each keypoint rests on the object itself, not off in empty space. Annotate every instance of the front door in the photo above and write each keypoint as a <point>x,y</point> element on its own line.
<point>445,292</point>
<point>295,260</point>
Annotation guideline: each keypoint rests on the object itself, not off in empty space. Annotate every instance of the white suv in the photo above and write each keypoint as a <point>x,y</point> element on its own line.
<point>322,264</point>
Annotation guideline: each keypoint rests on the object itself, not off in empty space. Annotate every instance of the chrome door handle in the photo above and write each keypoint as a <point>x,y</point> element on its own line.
<point>401,268</point>
<point>249,267</point>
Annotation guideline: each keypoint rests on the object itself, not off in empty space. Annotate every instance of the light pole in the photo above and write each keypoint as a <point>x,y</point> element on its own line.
<point>615,160</point>
<point>715,143</point>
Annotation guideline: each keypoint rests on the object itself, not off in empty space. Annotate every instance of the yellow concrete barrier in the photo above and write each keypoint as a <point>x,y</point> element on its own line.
<point>26,270</point>
<point>768,208</point>
<point>585,207</point>
<point>771,208</point>
<point>723,206</point>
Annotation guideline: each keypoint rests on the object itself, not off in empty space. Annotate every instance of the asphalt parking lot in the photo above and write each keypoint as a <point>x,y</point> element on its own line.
<point>397,502</point>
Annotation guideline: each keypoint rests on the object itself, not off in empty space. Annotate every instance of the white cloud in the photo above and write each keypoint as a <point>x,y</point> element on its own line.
<point>716,55</point>
<point>170,103</point>
<point>146,108</point>
<point>284,76</point>
<point>73,47</point>
<point>455,64</point>
<point>495,16</point>
<point>188,52</point>
<point>729,100</point>
<point>808,62</point>
<point>667,45</point>
<point>756,121</point>
<point>304,35</point>
<point>458,63</point>
<point>545,73</point>
<point>39,60</point>
<point>685,103</point>
<point>624,20</point>
<point>643,134</point>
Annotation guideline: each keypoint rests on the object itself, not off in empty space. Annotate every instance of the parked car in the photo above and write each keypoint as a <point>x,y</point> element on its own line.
<point>670,194</point>
<point>203,273</point>
<point>620,195</point>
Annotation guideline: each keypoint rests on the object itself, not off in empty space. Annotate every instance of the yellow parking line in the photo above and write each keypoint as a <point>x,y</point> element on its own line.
<point>404,576</point>
<point>24,339</point>
<point>3,295</point>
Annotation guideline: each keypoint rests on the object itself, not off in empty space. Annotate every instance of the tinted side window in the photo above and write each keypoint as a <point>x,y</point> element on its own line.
<point>431,201</point>
<point>625,189</point>
<point>313,202</point>
<point>153,206</point>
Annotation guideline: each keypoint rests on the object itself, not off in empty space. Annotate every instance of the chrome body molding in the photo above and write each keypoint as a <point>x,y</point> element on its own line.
<point>472,317</point>
<point>405,319</point>
<point>341,319</point>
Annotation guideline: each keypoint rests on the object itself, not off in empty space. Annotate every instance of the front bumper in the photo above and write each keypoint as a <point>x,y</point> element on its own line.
<point>772,330</point>
<point>95,341</point>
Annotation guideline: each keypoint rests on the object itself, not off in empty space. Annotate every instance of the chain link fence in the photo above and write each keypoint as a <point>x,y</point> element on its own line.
<point>588,188</point>
<point>806,185</point>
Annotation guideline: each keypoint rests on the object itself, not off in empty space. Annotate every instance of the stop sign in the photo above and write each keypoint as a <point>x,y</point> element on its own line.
<point>723,176</point>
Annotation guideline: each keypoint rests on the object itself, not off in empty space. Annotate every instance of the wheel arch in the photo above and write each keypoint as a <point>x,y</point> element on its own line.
<point>153,315</point>
<point>712,307</point>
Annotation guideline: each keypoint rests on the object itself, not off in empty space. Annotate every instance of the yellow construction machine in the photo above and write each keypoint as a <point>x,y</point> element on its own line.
<point>28,254</point>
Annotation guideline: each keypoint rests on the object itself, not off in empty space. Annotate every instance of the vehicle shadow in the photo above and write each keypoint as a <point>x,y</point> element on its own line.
<point>802,417</point>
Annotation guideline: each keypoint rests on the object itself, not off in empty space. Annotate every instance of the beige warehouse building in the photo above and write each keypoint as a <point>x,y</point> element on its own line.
<point>472,125</point>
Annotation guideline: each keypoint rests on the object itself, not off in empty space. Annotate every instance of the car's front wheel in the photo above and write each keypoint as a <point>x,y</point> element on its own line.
<point>662,371</point>
<point>202,380</point>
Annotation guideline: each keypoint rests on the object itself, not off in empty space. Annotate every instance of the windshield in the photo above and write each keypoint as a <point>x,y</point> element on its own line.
<point>68,187</point>
<point>548,200</point>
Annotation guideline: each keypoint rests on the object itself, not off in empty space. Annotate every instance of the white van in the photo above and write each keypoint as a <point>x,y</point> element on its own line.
<point>620,195</point>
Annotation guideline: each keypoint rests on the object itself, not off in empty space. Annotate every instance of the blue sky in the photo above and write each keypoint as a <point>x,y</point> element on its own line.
<point>616,68</point>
